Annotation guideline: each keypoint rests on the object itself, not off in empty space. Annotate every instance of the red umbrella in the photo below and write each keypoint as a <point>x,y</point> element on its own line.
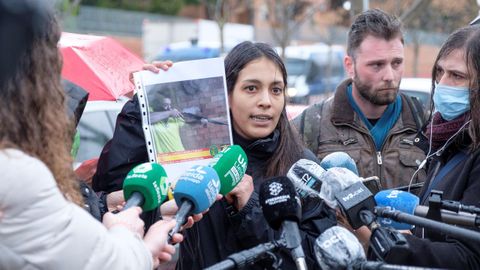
<point>98,64</point>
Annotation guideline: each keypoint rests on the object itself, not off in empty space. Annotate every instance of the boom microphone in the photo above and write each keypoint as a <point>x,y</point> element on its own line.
<point>339,159</point>
<point>145,185</point>
<point>195,191</point>
<point>281,208</point>
<point>458,232</point>
<point>230,165</point>
<point>246,257</point>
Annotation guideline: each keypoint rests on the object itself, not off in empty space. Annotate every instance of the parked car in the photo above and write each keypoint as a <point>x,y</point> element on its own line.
<point>313,70</point>
<point>96,127</point>
<point>419,88</point>
<point>193,50</point>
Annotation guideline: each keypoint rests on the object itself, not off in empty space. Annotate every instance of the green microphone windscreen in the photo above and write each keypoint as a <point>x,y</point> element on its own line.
<point>230,165</point>
<point>148,179</point>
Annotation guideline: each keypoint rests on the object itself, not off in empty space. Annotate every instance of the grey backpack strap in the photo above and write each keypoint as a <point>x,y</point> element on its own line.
<point>418,111</point>
<point>310,126</point>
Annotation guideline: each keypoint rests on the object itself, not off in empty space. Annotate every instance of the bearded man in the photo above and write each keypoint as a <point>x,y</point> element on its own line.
<point>367,117</point>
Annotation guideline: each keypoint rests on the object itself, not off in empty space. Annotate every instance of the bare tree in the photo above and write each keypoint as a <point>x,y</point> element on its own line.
<point>286,17</point>
<point>221,12</point>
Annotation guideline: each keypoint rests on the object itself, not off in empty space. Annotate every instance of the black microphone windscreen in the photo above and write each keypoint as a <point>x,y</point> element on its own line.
<point>279,201</point>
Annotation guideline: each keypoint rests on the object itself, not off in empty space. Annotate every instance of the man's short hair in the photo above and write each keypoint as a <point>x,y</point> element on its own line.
<point>373,22</point>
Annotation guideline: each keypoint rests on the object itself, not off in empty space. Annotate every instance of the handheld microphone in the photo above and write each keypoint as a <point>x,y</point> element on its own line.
<point>195,191</point>
<point>146,186</point>
<point>334,181</point>
<point>337,248</point>
<point>305,175</point>
<point>281,208</point>
<point>408,203</point>
<point>230,165</point>
<point>339,159</point>
<point>356,202</point>
<point>396,200</point>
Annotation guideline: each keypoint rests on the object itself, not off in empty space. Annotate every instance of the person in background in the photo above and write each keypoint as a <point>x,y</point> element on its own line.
<point>367,117</point>
<point>41,223</point>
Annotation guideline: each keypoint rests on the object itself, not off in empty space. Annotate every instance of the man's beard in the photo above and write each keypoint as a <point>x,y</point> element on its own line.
<point>376,96</point>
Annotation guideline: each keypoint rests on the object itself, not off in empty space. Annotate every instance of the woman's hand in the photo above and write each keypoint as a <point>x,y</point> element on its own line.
<point>240,195</point>
<point>170,208</point>
<point>363,233</point>
<point>115,200</point>
<point>155,67</point>
<point>156,241</point>
<point>129,219</point>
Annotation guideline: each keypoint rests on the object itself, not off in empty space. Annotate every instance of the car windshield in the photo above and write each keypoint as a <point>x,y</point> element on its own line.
<point>295,66</point>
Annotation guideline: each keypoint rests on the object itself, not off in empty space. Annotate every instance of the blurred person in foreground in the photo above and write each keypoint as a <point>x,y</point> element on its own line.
<point>367,117</point>
<point>41,223</point>
<point>452,143</point>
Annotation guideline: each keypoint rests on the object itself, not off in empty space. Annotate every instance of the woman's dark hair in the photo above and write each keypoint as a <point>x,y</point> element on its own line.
<point>33,108</point>
<point>466,39</point>
<point>290,148</point>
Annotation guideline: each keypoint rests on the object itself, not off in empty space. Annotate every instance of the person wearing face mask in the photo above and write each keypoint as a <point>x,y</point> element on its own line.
<point>452,143</point>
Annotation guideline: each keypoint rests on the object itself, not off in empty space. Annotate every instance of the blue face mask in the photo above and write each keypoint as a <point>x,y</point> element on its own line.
<point>451,101</point>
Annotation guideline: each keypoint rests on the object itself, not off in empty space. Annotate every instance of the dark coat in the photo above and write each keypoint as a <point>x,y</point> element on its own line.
<point>123,152</point>
<point>221,233</point>
<point>461,183</point>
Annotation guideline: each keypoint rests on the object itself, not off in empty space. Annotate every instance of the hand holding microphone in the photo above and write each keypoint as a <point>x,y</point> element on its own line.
<point>240,195</point>
<point>145,186</point>
<point>230,165</point>
<point>195,191</point>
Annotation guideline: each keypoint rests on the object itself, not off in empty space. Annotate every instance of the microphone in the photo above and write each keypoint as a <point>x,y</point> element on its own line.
<point>195,191</point>
<point>339,159</point>
<point>408,203</point>
<point>343,160</point>
<point>396,200</point>
<point>466,235</point>
<point>457,207</point>
<point>281,208</point>
<point>146,186</point>
<point>230,165</point>
<point>334,181</point>
<point>305,175</point>
<point>246,257</point>
<point>356,202</point>
<point>337,248</point>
